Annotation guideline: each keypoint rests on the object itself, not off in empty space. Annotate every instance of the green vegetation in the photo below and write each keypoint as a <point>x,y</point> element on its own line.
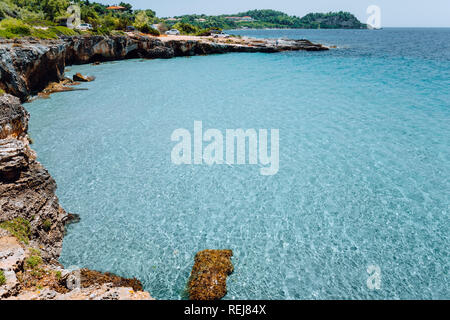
<point>14,28</point>
<point>272,19</point>
<point>2,278</point>
<point>46,19</point>
<point>35,251</point>
<point>47,225</point>
<point>33,261</point>
<point>18,227</point>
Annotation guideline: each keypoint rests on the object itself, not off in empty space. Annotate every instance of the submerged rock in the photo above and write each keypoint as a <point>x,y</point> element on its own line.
<point>208,280</point>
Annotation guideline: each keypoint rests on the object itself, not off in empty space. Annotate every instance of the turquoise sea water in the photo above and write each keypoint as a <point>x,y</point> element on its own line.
<point>363,180</point>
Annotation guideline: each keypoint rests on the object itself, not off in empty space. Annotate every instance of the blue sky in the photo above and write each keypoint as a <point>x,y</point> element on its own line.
<point>394,13</point>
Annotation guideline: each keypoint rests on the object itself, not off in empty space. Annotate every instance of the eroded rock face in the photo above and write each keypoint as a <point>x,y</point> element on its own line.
<point>14,158</point>
<point>28,66</point>
<point>26,189</point>
<point>97,292</point>
<point>80,78</point>
<point>12,256</point>
<point>12,253</point>
<point>13,117</point>
<point>208,280</point>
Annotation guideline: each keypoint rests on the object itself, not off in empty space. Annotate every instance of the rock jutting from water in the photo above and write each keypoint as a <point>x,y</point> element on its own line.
<point>208,280</point>
<point>78,77</point>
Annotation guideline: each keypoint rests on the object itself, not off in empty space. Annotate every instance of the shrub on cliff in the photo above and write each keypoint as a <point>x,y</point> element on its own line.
<point>207,32</point>
<point>18,227</point>
<point>33,261</point>
<point>142,20</point>
<point>63,31</point>
<point>106,24</point>
<point>2,278</point>
<point>154,32</point>
<point>149,30</point>
<point>44,34</point>
<point>11,26</point>
<point>185,28</point>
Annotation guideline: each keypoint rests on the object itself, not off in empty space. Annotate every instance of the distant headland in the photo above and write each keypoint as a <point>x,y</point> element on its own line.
<point>51,19</point>
<point>261,19</point>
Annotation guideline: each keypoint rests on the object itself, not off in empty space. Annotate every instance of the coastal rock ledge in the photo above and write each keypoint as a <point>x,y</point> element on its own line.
<point>27,66</point>
<point>32,225</point>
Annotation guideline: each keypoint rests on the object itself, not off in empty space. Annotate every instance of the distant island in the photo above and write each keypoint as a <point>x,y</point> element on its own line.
<point>260,19</point>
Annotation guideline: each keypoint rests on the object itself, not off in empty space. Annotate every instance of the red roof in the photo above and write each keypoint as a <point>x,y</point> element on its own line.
<point>115,8</point>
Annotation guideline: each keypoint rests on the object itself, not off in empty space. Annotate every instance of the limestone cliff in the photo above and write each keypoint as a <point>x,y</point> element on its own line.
<point>32,225</point>
<point>27,66</point>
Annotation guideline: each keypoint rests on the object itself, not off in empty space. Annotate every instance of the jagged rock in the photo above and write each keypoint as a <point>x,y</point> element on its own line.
<point>26,189</point>
<point>28,66</point>
<point>90,277</point>
<point>79,77</point>
<point>14,157</point>
<point>13,117</point>
<point>98,292</point>
<point>208,280</point>
<point>12,285</point>
<point>12,254</point>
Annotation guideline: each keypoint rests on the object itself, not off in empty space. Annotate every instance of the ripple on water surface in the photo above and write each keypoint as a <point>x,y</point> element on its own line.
<point>363,179</point>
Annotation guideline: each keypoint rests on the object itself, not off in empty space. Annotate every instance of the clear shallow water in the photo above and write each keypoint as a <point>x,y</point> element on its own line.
<point>364,167</point>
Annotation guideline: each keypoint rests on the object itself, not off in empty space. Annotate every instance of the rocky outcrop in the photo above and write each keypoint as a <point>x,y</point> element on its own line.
<point>80,78</point>
<point>12,256</point>
<point>26,189</point>
<point>97,292</point>
<point>32,225</point>
<point>208,280</point>
<point>28,277</point>
<point>28,66</point>
<point>13,118</point>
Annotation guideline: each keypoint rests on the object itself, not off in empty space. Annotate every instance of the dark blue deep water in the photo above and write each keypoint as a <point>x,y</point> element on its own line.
<point>363,179</point>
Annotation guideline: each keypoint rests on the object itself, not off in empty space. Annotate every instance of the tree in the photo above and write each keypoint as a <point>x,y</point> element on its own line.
<point>88,14</point>
<point>54,8</point>
<point>142,20</point>
<point>128,7</point>
<point>185,28</point>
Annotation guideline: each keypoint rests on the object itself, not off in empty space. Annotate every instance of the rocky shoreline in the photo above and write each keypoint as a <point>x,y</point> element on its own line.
<point>32,226</point>
<point>27,66</point>
<point>32,223</point>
